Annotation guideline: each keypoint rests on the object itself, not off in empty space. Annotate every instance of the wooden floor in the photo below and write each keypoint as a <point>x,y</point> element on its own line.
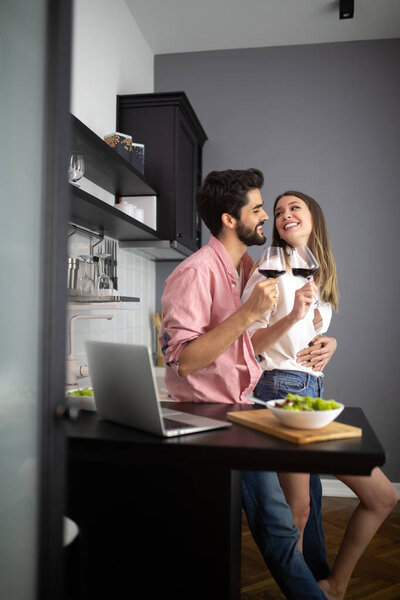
<point>377,575</point>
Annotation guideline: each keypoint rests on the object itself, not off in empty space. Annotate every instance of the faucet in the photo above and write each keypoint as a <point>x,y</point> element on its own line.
<point>73,371</point>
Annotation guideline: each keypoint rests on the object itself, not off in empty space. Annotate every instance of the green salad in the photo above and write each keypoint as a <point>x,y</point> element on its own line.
<point>82,392</point>
<point>296,402</point>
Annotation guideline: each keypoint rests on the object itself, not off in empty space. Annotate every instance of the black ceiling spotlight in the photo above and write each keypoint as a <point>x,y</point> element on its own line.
<point>346,9</point>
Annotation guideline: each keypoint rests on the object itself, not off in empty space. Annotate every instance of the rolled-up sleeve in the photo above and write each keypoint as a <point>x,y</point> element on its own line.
<point>186,305</point>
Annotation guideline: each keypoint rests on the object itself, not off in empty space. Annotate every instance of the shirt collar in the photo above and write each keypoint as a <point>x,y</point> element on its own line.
<point>224,255</point>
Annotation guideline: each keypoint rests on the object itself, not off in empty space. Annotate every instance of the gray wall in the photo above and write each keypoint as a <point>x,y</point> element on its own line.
<point>323,119</point>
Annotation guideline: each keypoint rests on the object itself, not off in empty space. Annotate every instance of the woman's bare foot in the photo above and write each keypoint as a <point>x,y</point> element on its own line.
<point>329,590</point>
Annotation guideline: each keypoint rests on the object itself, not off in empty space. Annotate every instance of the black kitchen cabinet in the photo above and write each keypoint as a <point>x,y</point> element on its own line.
<point>173,137</point>
<point>110,171</point>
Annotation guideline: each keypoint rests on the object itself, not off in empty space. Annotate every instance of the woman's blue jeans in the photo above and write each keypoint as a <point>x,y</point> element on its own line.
<point>269,516</point>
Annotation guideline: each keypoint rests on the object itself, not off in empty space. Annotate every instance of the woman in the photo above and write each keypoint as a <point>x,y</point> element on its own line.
<point>277,339</point>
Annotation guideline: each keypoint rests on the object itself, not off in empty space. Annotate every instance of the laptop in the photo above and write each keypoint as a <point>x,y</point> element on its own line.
<point>125,391</point>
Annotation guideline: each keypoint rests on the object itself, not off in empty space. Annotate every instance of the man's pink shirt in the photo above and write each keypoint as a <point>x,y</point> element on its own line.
<point>199,294</point>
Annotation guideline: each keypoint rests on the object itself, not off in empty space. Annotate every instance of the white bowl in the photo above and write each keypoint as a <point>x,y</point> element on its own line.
<point>304,419</point>
<point>83,402</point>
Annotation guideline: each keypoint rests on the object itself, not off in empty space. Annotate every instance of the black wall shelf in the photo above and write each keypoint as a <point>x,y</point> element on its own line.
<point>104,166</point>
<point>98,216</point>
<point>110,171</point>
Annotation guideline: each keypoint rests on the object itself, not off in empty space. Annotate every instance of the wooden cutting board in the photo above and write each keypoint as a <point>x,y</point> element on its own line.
<point>263,420</point>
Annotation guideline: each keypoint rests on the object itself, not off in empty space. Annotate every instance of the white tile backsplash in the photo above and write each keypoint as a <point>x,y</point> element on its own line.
<point>136,277</point>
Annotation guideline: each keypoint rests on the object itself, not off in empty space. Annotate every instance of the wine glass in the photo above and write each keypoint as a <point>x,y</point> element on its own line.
<point>304,264</point>
<point>104,284</point>
<point>76,168</point>
<point>86,283</point>
<point>272,264</point>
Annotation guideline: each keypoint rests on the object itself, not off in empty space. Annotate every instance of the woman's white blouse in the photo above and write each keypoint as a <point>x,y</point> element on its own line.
<point>283,354</point>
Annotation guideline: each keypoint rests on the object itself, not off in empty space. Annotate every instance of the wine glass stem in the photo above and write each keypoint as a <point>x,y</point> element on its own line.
<point>275,307</point>
<point>316,302</point>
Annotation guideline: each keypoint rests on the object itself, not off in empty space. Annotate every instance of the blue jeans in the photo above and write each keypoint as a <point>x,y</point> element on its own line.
<point>269,516</point>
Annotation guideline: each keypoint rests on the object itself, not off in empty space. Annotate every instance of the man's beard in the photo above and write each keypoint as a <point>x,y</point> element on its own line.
<point>248,236</point>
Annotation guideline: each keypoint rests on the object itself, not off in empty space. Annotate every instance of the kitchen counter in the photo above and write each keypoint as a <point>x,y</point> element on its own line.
<point>168,511</point>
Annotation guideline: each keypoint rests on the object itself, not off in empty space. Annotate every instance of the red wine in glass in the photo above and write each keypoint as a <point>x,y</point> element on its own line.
<point>272,264</point>
<point>274,273</point>
<point>304,264</point>
<point>302,272</point>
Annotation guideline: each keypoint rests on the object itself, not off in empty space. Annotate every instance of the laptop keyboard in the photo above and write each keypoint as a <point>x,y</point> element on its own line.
<point>171,424</point>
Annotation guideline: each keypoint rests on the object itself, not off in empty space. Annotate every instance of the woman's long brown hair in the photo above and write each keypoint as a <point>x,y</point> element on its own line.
<point>320,246</point>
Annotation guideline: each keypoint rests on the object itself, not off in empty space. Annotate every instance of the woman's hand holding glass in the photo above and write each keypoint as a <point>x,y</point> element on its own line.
<point>303,300</point>
<point>304,264</point>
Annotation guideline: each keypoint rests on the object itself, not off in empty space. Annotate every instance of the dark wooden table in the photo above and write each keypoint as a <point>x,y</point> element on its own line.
<point>163,516</point>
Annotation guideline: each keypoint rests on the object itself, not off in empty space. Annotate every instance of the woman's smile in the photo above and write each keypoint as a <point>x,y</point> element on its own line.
<point>290,225</point>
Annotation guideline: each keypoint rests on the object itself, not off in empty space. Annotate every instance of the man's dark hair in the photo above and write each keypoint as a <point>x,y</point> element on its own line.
<point>225,192</point>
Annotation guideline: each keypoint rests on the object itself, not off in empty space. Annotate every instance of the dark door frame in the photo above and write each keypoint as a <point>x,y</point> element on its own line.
<point>55,216</point>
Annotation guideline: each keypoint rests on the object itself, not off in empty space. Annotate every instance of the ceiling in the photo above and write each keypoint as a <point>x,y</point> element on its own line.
<point>171,26</point>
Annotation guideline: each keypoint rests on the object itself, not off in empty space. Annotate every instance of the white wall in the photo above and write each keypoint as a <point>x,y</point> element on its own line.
<point>110,56</point>
<point>323,119</point>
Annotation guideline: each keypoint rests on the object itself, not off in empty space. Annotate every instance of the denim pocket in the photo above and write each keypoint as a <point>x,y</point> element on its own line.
<point>264,389</point>
<point>290,384</point>
<point>273,386</point>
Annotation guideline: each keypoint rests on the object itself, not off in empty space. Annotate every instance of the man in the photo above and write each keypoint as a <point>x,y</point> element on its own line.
<point>210,358</point>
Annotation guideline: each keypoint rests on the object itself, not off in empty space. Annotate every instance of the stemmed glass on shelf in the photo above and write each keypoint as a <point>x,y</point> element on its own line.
<point>104,284</point>
<point>76,168</point>
<point>86,283</point>
<point>101,284</point>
